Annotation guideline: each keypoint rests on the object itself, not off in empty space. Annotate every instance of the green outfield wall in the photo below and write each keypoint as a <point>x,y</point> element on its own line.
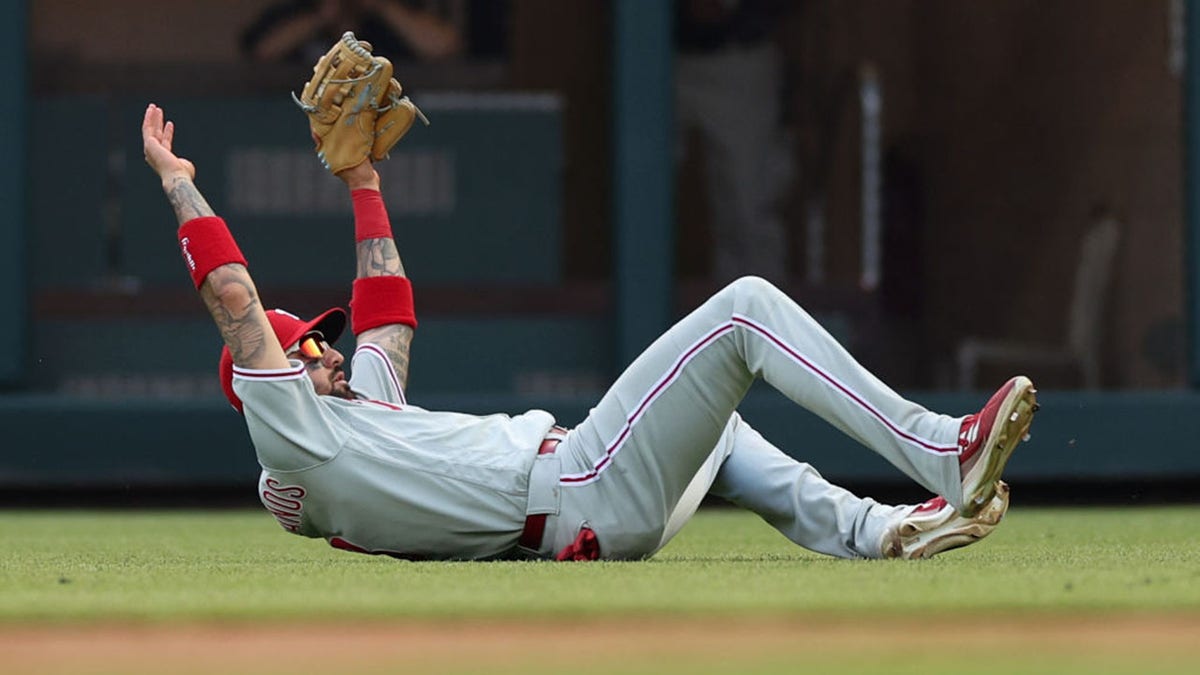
<point>55,441</point>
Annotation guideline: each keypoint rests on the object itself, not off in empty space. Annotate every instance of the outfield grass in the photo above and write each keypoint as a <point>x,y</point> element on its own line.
<point>1054,591</point>
<point>167,566</point>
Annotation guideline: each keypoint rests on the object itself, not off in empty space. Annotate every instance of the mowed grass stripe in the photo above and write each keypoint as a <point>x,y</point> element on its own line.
<point>198,566</point>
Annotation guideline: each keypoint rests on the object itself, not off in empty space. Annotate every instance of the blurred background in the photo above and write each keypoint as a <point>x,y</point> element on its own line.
<point>958,191</point>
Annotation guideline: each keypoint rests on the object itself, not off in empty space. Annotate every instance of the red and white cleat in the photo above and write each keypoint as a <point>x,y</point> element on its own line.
<point>935,526</point>
<point>987,439</point>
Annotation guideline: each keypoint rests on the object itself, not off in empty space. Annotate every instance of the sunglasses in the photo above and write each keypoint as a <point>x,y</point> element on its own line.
<point>312,346</point>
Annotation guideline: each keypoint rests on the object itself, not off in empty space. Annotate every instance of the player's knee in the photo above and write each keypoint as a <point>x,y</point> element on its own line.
<point>753,287</point>
<point>747,295</point>
<point>754,295</point>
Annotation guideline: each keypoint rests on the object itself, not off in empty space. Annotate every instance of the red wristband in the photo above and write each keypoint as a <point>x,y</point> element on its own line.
<point>380,301</point>
<point>370,215</point>
<point>206,244</point>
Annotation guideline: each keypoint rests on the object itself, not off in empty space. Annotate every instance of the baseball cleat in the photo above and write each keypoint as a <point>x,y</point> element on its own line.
<point>935,526</point>
<point>987,439</point>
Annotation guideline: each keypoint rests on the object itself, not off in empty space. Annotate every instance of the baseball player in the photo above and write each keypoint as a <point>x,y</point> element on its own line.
<point>351,461</point>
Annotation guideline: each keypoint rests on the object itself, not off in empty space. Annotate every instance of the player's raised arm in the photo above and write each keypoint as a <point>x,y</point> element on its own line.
<point>356,112</point>
<point>217,266</point>
<point>381,309</point>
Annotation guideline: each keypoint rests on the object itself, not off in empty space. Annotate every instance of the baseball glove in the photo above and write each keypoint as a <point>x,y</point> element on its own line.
<point>355,108</point>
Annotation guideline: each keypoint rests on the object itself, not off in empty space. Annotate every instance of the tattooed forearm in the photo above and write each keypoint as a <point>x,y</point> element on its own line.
<point>186,199</point>
<point>231,298</point>
<point>379,258</point>
<point>397,346</point>
<point>395,340</point>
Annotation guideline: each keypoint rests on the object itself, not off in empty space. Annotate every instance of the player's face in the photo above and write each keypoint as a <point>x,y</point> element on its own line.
<point>324,366</point>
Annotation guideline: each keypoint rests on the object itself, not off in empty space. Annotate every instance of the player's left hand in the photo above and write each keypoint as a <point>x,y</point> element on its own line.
<point>157,137</point>
<point>356,110</point>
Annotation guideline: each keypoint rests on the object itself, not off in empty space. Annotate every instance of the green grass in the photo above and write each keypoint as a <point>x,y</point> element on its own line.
<point>1055,591</point>
<point>156,566</point>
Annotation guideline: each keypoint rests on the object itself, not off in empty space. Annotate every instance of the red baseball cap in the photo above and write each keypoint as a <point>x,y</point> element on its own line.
<point>289,328</point>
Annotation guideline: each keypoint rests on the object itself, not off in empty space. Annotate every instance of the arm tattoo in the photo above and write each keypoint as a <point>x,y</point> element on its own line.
<point>395,340</point>
<point>241,327</point>
<point>187,200</point>
<point>379,258</point>
<point>396,345</point>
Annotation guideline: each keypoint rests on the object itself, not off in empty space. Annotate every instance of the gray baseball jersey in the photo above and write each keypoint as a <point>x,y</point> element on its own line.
<point>378,475</point>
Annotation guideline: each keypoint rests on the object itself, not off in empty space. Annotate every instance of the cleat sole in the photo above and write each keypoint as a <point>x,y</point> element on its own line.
<point>1017,412</point>
<point>918,543</point>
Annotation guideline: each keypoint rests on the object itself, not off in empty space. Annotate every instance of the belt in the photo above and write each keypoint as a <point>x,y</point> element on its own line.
<point>535,524</point>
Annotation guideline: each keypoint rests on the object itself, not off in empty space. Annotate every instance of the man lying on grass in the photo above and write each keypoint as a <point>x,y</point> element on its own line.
<point>351,461</point>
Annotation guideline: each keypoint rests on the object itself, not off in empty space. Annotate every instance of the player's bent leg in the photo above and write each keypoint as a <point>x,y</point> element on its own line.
<point>795,499</point>
<point>666,412</point>
<point>825,518</point>
<point>784,345</point>
<point>936,526</point>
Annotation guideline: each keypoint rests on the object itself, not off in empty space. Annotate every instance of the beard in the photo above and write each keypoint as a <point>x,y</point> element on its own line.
<point>342,390</point>
<point>338,387</point>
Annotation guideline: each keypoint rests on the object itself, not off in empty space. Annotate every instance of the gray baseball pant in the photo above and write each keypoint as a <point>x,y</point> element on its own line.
<point>669,422</point>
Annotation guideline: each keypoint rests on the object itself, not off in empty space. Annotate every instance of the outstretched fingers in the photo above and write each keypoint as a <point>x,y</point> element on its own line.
<point>152,123</point>
<point>157,138</point>
<point>152,133</point>
<point>155,129</point>
<point>168,134</point>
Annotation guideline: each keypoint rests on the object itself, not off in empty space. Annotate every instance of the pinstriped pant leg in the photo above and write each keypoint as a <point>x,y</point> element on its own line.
<point>784,345</point>
<point>795,499</point>
<point>631,461</point>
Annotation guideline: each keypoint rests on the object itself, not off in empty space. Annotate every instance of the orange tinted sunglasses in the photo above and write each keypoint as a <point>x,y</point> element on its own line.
<point>312,345</point>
